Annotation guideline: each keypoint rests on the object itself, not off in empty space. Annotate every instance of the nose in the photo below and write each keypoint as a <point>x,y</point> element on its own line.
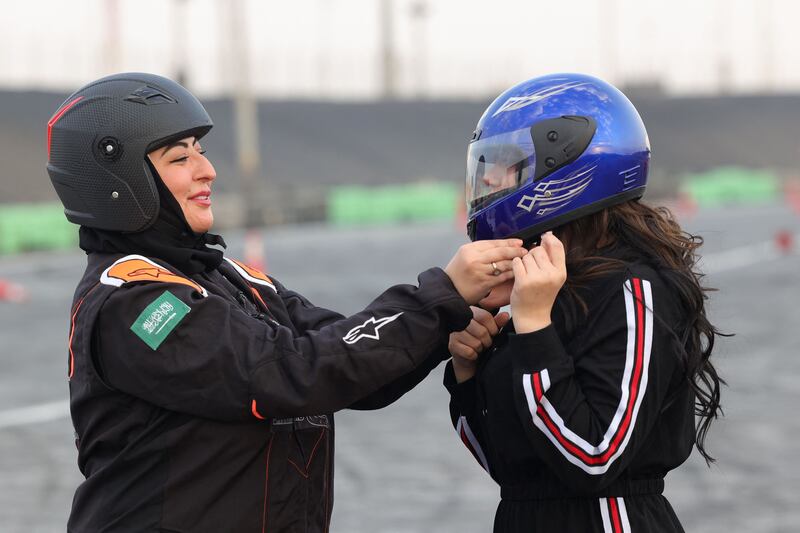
<point>204,169</point>
<point>490,180</point>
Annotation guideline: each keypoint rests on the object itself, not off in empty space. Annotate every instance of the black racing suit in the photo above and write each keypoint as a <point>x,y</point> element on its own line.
<point>579,422</point>
<point>204,403</point>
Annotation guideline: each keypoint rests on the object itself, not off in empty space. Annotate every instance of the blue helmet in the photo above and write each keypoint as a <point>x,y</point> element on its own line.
<point>550,150</point>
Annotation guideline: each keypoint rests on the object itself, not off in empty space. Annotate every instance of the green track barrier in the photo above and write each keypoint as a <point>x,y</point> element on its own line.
<point>26,227</point>
<point>353,204</point>
<point>732,185</point>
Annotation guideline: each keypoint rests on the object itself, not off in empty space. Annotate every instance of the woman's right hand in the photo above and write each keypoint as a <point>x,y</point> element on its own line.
<point>465,345</point>
<point>472,268</point>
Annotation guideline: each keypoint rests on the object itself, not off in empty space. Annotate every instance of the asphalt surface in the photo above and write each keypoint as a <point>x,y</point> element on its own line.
<point>402,469</point>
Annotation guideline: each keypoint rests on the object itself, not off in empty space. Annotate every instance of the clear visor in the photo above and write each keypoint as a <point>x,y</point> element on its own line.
<point>498,164</point>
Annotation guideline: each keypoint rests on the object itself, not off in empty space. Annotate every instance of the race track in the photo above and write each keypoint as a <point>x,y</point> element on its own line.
<point>402,469</point>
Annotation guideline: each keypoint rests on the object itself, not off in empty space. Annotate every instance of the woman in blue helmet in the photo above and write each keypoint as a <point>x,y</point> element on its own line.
<point>581,405</point>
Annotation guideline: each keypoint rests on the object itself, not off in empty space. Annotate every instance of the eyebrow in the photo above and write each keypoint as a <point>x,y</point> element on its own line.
<point>170,146</point>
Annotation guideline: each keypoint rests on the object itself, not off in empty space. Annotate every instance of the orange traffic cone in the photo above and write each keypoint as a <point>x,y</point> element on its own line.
<point>784,240</point>
<point>461,212</point>
<point>254,250</point>
<point>686,206</point>
<point>12,292</point>
<point>791,192</point>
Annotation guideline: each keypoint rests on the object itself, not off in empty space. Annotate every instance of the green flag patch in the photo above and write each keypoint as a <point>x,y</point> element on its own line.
<point>159,319</point>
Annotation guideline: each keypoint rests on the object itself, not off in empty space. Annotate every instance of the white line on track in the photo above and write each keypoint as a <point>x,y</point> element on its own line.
<point>745,256</point>
<point>34,414</point>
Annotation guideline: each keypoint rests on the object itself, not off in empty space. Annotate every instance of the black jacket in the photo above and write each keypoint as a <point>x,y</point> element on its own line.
<point>589,409</point>
<point>204,403</point>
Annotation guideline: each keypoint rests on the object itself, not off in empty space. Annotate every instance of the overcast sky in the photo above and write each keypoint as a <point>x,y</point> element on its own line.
<point>441,48</point>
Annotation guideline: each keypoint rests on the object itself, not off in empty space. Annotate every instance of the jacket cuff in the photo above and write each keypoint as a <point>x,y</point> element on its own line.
<point>537,350</point>
<point>436,283</point>
<point>462,394</point>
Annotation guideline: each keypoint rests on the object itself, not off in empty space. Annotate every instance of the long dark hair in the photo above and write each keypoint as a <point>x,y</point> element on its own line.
<point>654,233</point>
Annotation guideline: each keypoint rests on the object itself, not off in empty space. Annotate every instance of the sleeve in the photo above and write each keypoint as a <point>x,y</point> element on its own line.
<point>465,413</point>
<point>304,315</point>
<point>390,393</point>
<point>587,416</point>
<point>217,361</point>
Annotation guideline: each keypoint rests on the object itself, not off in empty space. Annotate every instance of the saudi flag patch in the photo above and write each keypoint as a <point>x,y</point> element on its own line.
<point>159,319</point>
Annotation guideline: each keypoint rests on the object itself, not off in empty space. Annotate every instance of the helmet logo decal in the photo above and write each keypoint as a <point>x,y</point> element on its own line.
<point>630,177</point>
<point>553,195</point>
<point>518,102</point>
<point>149,96</point>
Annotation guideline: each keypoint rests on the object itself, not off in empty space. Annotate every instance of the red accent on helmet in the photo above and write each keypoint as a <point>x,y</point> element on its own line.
<point>55,119</point>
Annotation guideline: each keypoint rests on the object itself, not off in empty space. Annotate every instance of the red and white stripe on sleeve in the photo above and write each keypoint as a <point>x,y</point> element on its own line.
<point>597,458</point>
<point>469,440</point>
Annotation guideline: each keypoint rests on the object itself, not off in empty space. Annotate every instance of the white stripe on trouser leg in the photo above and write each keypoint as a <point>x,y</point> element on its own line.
<point>607,528</point>
<point>623,516</point>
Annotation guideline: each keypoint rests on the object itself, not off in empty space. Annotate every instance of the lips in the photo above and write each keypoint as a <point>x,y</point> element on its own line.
<point>202,198</point>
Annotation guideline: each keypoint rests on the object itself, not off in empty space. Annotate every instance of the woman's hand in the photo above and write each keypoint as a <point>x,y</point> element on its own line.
<point>479,266</point>
<point>499,297</point>
<point>465,345</point>
<point>537,279</point>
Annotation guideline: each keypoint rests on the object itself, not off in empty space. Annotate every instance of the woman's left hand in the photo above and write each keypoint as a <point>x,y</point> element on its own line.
<point>537,279</point>
<point>465,346</point>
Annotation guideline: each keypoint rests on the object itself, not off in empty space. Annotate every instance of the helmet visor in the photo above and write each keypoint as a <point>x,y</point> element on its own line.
<point>497,165</point>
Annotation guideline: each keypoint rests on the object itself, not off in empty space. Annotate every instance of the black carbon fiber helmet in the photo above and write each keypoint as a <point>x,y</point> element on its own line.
<point>97,145</point>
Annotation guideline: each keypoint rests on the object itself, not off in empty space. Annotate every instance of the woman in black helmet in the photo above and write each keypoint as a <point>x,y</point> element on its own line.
<point>202,390</point>
<point>581,406</point>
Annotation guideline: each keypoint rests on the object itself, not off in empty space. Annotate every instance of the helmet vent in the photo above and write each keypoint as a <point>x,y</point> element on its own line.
<point>560,141</point>
<point>149,96</point>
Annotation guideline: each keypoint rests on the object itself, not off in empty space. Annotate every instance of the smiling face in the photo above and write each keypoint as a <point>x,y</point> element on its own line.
<point>188,175</point>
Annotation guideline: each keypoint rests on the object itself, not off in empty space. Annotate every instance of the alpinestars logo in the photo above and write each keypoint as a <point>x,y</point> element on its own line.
<point>153,272</point>
<point>518,102</point>
<point>368,330</point>
<point>553,195</point>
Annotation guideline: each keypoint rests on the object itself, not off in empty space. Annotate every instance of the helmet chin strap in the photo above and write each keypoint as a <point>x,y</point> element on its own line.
<point>169,210</point>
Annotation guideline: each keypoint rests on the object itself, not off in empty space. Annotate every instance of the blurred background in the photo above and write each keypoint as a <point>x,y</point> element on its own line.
<point>339,141</point>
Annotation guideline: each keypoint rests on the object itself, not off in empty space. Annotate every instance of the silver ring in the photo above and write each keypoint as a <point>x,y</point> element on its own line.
<point>496,271</point>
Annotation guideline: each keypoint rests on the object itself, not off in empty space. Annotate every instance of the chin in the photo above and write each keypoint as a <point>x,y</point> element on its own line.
<point>203,225</point>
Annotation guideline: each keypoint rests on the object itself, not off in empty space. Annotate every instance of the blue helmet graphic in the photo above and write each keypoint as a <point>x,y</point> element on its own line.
<point>550,150</point>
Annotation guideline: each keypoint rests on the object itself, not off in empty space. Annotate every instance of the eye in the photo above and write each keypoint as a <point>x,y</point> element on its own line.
<point>180,159</point>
